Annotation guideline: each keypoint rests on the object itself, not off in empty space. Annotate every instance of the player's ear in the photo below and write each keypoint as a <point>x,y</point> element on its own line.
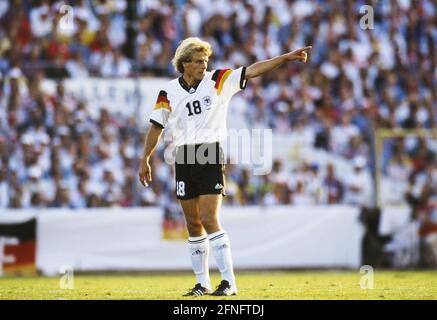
<point>184,63</point>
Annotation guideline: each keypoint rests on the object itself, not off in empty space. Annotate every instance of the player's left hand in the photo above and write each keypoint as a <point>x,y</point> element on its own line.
<point>299,54</point>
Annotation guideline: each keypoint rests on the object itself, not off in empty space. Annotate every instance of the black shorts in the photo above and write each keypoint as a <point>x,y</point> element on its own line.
<point>200,170</point>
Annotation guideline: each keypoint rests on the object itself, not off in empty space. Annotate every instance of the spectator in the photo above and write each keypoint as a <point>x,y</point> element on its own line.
<point>4,189</point>
<point>115,65</point>
<point>334,189</point>
<point>427,216</point>
<point>398,170</point>
<point>63,197</point>
<point>358,184</point>
<point>302,197</point>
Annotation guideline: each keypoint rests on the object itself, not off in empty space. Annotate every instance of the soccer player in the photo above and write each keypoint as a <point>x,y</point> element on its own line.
<point>194,108</point>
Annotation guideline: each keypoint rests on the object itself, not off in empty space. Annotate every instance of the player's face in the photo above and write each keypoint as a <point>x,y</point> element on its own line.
<point>197,67</point>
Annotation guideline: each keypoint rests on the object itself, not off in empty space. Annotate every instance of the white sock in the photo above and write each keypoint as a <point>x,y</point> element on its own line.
<point>199,249</point>
<point>221,248</point>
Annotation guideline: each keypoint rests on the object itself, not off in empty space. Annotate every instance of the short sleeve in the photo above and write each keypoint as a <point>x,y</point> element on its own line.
<point>161,111</point>
<point>228,82</point>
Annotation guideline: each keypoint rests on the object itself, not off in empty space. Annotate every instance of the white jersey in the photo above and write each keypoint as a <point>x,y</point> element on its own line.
<point>198,114</point>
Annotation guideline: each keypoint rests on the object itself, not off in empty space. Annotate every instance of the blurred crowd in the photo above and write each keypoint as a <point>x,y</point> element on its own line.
<point>55,154</point>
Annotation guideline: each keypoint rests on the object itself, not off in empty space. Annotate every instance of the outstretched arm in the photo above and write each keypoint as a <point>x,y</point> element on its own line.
<point>260,67</point>
<point>152,139</point>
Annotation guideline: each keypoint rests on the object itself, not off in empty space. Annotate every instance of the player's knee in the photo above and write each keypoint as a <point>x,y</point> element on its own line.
<point>194,227</point>
<point>209,222</point>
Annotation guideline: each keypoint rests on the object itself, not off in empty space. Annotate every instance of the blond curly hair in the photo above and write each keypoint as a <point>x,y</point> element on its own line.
<point>186,49</point>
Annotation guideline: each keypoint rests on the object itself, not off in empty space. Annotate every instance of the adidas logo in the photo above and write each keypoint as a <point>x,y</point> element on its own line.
<point>197,252</point>
<point>218,186</point>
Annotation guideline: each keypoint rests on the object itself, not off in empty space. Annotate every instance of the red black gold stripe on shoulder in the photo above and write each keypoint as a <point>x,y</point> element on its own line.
<point>162,101</point>
<point>220,76</point>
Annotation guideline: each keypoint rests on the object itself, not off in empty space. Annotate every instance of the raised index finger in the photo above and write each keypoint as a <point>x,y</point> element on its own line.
<point>304,49</point>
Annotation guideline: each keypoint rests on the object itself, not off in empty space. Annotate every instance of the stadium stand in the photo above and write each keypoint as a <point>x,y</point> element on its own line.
<point>54,153</point>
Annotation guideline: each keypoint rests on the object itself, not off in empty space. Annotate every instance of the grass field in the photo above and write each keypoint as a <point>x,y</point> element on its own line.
<point>252,286</point>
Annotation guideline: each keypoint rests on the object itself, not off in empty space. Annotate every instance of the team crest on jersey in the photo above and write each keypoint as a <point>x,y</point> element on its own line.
<point>207,101</point>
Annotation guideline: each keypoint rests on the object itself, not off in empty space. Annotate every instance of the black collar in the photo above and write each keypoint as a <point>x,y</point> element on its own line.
<point>186,87</point>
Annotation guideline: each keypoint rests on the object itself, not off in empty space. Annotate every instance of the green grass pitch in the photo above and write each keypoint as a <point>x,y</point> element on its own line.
<point>271,285</point>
